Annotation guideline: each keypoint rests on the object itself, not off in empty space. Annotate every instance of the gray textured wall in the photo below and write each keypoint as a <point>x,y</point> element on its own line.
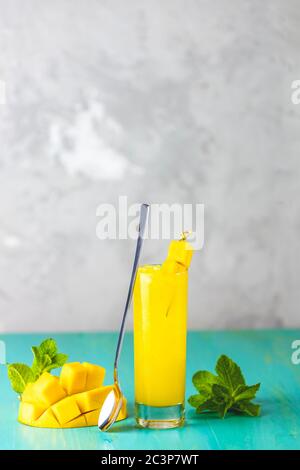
<point>185,101</point>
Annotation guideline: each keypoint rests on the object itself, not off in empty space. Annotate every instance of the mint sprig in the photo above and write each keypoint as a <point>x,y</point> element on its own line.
<point>45,358</point>
<point>226,391</point>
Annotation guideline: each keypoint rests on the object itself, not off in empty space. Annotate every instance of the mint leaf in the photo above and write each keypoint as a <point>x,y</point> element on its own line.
<point>36,354</point>
<point>58,361</point>
<point>223,408</point>
<point>48,346</point>
<point>220,392</point>
<point>229,372</point>
<point>37,359</point>
<point>196,400</point>
<point>222,398</point>
<point>248,407</point>
<point>40,361</point>
<point>203,377</point>
<point>243,392</point>
<point>45,362</point>
<point>208,405</point>
<point>225,392</point>
<point>205,390</point>
<point>213,406</point>
<point>19,375</point>
<point>203,381</point>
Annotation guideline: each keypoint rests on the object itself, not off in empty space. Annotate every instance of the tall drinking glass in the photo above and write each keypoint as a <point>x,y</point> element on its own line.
<point>160,326</point>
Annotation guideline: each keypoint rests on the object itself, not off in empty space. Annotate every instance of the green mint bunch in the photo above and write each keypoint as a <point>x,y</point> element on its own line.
<point>226,391</point>
<point>45,358</point>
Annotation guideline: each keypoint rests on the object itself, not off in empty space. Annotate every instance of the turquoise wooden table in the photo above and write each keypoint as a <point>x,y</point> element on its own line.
<point>263,356</point>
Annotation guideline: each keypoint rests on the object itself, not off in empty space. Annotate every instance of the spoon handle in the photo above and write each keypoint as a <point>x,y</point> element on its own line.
<point>141,230</point>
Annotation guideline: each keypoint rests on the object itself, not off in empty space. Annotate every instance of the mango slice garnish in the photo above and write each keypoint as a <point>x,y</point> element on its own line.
<point>179,255</point>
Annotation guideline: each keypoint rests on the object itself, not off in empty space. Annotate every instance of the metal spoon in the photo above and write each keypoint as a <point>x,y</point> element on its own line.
<point>114,400</point>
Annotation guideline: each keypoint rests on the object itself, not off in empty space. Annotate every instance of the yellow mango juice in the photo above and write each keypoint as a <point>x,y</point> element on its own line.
<point>160,317</point>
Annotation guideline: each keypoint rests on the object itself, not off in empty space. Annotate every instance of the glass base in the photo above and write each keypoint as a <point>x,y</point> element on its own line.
<point>159,417</point>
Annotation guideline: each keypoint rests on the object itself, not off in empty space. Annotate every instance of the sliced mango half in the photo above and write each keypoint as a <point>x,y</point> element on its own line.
<point>72,400</point>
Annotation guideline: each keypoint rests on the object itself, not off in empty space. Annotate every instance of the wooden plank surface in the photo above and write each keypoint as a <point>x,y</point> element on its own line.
<point>263,356</point>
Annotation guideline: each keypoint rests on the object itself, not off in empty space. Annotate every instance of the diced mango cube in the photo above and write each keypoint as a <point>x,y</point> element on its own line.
<point>78,422</point>
<point>95,375</point>
<point>29,412</point>
<point>180,251</point>
<point>93,416</point>
<point>73,377</point>
<point>48,390</point>
<point>92,399</point>
<point>29,395</point>
<point>65,410</point>
<point>47,420</point>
